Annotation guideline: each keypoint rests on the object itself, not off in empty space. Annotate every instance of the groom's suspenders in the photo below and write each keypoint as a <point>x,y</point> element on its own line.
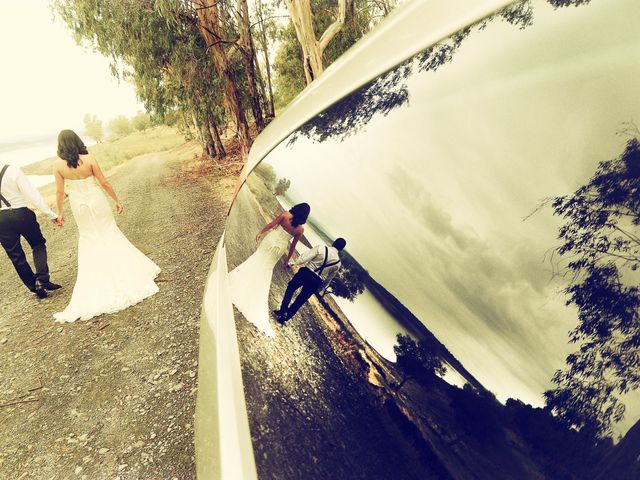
<point>319,270</point>
<point>2,199</point>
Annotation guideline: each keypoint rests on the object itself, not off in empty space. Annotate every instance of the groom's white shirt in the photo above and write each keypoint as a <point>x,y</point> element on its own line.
<point>19,192</point>
<point>314,259</point>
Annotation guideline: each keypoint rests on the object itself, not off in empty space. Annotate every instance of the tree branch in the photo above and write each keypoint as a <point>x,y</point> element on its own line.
<point>336,26</point>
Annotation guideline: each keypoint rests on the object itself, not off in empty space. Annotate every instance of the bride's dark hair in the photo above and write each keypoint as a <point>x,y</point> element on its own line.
<point>300,214</point>
<point>70,147</point>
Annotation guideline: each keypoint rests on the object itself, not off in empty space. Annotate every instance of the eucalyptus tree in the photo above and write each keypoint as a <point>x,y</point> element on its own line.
<point>601,239</point>
<point>165,57</point>
<point>246,47</point>
<point>266,31</point>
<point>312,47</point>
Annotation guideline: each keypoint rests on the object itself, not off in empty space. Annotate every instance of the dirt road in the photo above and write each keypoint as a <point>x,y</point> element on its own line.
<point>113,397</point>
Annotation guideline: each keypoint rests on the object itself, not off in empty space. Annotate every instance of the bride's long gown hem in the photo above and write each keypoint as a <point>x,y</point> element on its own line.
<point>112,273</point>
<point>250,282</point>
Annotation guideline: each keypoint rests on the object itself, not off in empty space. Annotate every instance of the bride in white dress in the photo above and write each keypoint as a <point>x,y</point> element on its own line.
<point>112,273</point>
<point>249,282</point>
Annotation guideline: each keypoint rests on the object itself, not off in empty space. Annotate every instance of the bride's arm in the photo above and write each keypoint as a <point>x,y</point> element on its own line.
<point>97,172</point>
<point>292,249</point>
<point>59,196</point>
<point>269,226</point>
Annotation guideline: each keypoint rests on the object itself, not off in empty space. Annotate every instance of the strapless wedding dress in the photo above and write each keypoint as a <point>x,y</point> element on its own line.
<point>112,273</point>
<point>249,282</point>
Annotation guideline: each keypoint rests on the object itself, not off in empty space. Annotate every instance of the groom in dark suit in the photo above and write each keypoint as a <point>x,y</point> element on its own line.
<point>319,266</point>
<point>17,221</point>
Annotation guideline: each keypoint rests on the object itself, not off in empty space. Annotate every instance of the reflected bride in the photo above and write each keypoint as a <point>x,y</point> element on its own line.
<point>249,282</point>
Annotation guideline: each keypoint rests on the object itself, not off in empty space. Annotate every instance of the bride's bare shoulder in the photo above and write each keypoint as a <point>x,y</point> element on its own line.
<point>59,164</point>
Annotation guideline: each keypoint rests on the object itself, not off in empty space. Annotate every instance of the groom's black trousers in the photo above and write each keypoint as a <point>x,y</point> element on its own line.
<point>310,283</point>
<point>21,222</point>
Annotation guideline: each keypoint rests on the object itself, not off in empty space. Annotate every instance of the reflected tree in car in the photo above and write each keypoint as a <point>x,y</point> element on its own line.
<point>601,240</point>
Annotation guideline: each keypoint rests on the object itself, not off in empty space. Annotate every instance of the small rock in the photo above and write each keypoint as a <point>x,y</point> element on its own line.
<point>122,467</point>
<point>3,340</point>
<point>78,469</point>
<point>139,444</point>
<point>103,450</point>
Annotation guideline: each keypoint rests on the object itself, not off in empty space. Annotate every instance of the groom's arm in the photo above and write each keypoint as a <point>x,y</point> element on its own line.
<point>306,257</point>
<point>33,196</point>
<point>328,281</point>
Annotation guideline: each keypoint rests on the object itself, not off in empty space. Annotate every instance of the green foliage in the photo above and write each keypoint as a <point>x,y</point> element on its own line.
<point>602,241</point>
<point>93,127</point>
<point>289,72</point>
<point>281,187</point>
<point>157,46</point>
<point>141,121</point>
<point>563,452</point>
<point>567,3</point>
<point>171,118</point>
<point>289,76</point>
<point>120,126</point>
<point>349,282</point>
<point>478,413</point>
<point>418,359</point>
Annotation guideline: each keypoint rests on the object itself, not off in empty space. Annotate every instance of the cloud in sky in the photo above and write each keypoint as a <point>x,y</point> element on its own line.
<point>48,82</point>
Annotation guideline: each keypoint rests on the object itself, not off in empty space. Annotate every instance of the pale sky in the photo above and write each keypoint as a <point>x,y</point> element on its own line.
<point>48,82</point>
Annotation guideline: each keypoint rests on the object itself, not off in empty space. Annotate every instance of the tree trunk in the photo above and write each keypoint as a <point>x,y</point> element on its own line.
<point>247,51</point>
<point>213,130</point>
<point>263,89</point>
<point>210,146</point>
<point>265,49</point>
<point>313,49</point>
<point>198,129</point>
<point>210,28</point>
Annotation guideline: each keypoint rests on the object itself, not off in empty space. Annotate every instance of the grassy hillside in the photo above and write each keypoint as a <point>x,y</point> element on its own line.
<point>114,152</point>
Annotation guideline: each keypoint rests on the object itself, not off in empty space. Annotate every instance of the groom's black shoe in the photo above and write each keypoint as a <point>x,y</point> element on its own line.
<point>281,316</point>
<point>39,290</point>
<point>51,286</point>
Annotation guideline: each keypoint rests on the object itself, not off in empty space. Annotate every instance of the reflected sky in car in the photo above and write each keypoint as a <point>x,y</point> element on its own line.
<point>433,197</point>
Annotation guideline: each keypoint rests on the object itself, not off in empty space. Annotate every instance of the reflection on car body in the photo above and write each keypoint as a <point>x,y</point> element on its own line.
<point>430,354</point>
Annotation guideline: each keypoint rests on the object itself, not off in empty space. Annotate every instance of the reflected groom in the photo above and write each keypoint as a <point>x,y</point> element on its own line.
<point>17,221</point>
<point>319,265</point>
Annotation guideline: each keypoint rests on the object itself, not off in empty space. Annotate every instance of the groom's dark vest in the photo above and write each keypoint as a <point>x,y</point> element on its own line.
<point>3,201</point>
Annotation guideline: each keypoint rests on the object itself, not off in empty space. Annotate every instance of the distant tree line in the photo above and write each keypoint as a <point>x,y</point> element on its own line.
<point>118,126</point>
